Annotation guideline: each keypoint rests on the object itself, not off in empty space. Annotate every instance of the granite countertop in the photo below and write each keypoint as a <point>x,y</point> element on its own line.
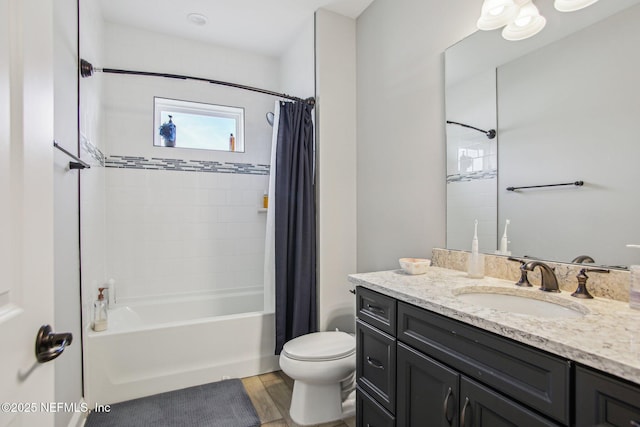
<point>607,337</point>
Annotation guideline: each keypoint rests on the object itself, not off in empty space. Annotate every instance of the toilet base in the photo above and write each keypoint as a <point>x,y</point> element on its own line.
<point>319,403</point>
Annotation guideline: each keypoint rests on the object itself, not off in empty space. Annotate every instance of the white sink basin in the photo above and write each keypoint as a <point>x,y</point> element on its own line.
<point>521,302</point>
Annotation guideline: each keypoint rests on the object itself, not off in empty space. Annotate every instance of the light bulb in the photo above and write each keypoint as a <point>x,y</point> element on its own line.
<point>572,5</point>
<point>521,22</point>
<point>496,10</point>
<point>496,14</point>
<point>528,23</point>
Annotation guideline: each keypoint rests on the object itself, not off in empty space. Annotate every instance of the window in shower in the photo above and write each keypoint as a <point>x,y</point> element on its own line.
<point>186,124</point>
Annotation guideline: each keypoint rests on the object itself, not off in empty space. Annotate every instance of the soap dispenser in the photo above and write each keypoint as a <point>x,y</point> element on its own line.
<point>100,317</point>
<point>634,285</point>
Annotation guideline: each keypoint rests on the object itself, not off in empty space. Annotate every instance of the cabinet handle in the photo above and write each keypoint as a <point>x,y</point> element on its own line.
<point>447,408</point>
<point>463,417</point>
<point>375,363</point>
<point>375,309</point>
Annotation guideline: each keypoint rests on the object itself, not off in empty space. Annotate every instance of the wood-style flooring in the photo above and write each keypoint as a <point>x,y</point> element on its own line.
<point>271,396</point>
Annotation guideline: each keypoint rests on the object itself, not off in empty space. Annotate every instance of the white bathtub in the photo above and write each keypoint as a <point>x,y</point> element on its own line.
<point>155,347</point>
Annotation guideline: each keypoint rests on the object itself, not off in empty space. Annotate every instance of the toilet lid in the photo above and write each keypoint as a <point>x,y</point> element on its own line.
<point>320,346</point>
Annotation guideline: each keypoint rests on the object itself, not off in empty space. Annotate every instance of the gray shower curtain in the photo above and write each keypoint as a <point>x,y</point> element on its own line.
<point>295,224</point>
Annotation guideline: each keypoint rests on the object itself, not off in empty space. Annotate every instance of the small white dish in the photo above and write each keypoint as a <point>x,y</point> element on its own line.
<point>415,265</point>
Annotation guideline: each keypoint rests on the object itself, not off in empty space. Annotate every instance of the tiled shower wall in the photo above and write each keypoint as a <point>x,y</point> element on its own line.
<point>183,232</point>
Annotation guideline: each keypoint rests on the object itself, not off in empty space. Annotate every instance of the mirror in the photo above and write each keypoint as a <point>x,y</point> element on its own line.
<point>565,106</point>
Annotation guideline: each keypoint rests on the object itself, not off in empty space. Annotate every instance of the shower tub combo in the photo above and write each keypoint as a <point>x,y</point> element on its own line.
<point>154,347</point>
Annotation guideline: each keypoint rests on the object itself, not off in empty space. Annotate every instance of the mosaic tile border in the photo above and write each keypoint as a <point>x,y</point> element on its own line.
<point>93,151</point>
<point>156,163</point>
<point>472,176</point>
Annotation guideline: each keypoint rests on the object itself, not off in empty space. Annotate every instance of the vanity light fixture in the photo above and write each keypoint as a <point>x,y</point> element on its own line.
<point>521,18</point>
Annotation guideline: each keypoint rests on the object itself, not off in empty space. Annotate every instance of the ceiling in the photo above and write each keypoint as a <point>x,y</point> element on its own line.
<point>264,26</point>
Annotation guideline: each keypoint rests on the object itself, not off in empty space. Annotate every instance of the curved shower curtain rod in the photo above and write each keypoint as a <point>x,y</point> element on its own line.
<point>87,70</point>
<point>491,133</point>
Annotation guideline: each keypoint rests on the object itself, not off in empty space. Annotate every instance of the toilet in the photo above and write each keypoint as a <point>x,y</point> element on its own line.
<point>323,365</point>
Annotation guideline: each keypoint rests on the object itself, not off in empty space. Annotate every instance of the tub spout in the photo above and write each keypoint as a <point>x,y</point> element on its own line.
<point>549,282</point>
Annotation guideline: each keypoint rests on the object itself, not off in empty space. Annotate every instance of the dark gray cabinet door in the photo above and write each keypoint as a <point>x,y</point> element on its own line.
<point>376,364</point>
<point>482,407</point>
<point>605,401</point>
<point>427,391</point>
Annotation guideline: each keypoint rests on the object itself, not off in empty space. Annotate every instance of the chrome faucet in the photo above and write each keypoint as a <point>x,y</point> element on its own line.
<point>549,282</point>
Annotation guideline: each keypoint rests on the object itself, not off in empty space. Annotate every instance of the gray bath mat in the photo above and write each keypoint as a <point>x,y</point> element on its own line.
<point>221,404</point>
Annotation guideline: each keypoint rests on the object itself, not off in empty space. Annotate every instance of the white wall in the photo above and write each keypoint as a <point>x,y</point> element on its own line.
<point>68,369</point>
<point>401,125</point>
<point>336,174</point>
<point>297,64</point>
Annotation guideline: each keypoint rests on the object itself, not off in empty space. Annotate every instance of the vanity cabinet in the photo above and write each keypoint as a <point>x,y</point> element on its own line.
<point>603,400</point>
<point>426,369</point>
<point>419,368</point>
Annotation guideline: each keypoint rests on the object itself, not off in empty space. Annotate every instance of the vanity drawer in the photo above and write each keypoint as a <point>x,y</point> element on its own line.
<point>376,309</point>
<point>370,413</point>
<point>376,364</point>
<point>532,377</point>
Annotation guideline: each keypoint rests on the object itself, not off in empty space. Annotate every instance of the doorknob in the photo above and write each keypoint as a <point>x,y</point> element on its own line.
<point>50,345</point>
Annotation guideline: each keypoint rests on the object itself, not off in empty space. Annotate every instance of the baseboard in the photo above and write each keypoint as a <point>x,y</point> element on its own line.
<point>79,417</point>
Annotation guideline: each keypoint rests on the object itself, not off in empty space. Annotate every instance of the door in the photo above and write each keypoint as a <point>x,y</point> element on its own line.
<point>427,390</point>
<point>482,407</point>
<point>26,209</point>
<point>370,413</point>
<point>605,401</point>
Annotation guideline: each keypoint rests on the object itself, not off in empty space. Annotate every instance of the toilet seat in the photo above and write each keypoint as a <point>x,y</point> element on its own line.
<point>320,346</point>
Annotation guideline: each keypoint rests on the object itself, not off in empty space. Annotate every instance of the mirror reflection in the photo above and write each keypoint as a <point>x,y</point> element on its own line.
<point>565,111</point>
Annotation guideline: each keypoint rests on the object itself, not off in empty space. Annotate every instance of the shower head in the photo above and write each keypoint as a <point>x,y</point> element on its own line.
<point>86,69</point>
